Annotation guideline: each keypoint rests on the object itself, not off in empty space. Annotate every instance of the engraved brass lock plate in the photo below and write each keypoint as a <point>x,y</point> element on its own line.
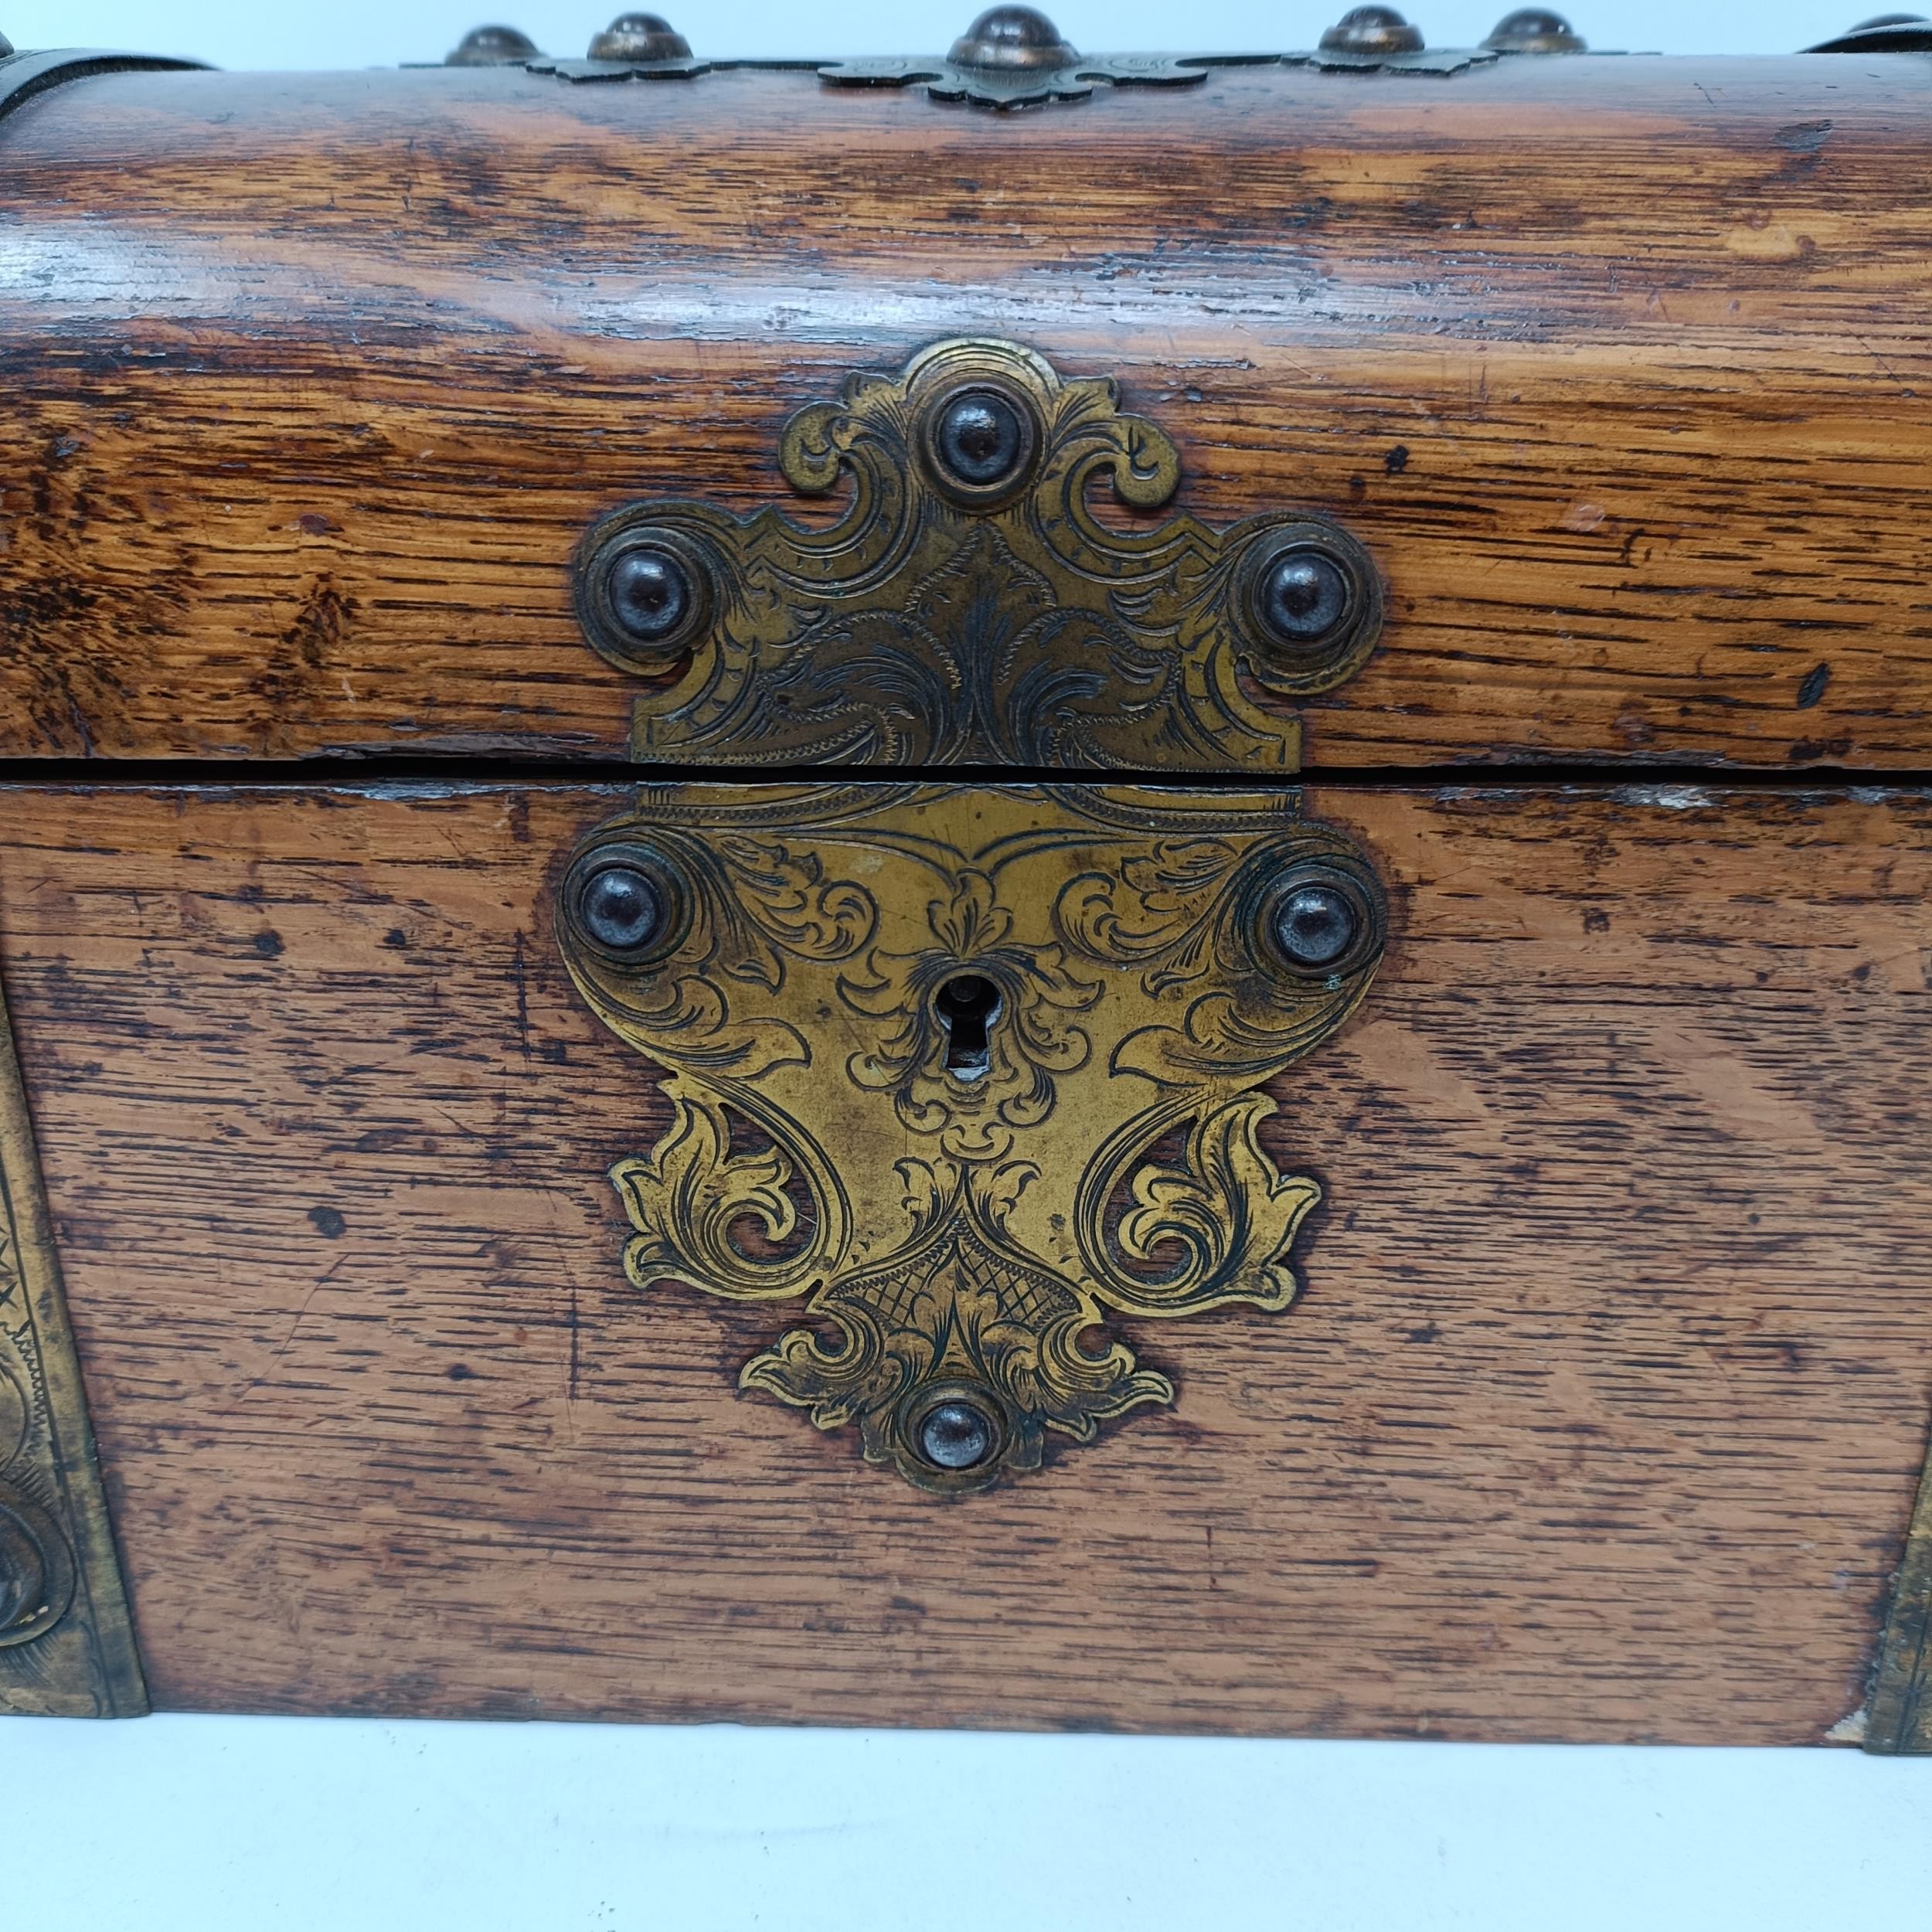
<point>968,606</point>
<point>967,1070</point>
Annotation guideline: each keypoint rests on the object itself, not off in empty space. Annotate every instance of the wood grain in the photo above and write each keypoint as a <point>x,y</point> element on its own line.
<point>1599,1416</point>
<point>315,381</point>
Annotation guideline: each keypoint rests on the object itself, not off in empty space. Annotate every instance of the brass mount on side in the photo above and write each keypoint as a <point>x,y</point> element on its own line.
<point>1898,1714</point>
<point>66,1644</point>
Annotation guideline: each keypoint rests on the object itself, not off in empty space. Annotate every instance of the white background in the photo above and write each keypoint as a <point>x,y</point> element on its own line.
<point>237,1824</point>
<point>204,1824</point>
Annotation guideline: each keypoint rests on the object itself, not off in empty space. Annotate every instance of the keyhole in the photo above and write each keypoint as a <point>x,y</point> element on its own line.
<point>967,1006</point>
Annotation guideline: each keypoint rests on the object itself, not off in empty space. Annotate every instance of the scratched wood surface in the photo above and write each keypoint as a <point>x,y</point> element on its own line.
<point>1599,1417</point>
<point>313,382</point>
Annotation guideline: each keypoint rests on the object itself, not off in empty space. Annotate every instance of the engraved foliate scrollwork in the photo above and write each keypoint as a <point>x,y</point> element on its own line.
<point>1212,1227</point>
<point>1022,1025</point>
<point>967,606</point>
<point>690,1195</point>
<point>1200,921</point>
<point>66,1645</point>
<point>959,1306</point>
<point>1030,1037</point>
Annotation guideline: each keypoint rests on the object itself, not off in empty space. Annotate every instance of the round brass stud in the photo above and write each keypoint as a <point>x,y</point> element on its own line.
<point>1012,38</point>
<point>492,47</point>
<point>1372,30</point>
<point>644,594</point>
<point>1302,597</point>
<point>1534,30</point>
<point>640,37</point>
<point>1315,925</point>
<point>651,592</point>
<point>956,1435</point>
<point>980,442</point>
<point>624,901</point>
<point>621,909</point>
<point>1312,604</point>
<point>1883,33</point>
<point>956,1429</point>
<point>1320,920</point>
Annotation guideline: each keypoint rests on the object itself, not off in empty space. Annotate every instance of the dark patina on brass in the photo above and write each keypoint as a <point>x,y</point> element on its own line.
<point>1898,1714</point>
<point>493,47</point>
<point>23,76</point>
<point>1534,30</point>
<point>1374,31</point>
<point>635,46</point>
<point>967,1070</point>
<point>1014,56</point>
<point>66,1644</point>
<point>968,606</point>
<point>1376,39</point>
<point>1883,33</point>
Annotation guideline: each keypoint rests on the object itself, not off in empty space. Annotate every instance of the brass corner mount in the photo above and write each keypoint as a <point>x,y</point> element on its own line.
<point>66,1641</point>
<point>1898,1713</point>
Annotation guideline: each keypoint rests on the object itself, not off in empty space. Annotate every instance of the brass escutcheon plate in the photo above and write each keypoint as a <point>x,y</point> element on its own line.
<point>967,1070</point>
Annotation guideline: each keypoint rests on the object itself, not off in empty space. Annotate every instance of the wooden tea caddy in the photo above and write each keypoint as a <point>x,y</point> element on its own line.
<point>1206,776</point>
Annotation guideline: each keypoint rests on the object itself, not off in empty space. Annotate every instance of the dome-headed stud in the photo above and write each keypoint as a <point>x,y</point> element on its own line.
<point>640,36</point>
<point>646,593</point>
<point>1883,33</point>
<point>1319,920</point>
<point>1315,925</point>
<point>981,442</point>
<point>957,1435</point>
<point>1014,37</point>
<point>651,593</point>
<point>1303,597</point>
<point>626,902</point>
<point>492,47</point>
<point>1372,30</point>
<point>620,908</point>
<point>981,437</point>
<point>1534,30</point>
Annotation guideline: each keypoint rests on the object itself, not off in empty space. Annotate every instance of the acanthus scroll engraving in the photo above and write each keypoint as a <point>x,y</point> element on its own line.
<point>969,1069</point>
<point>968,606</point>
